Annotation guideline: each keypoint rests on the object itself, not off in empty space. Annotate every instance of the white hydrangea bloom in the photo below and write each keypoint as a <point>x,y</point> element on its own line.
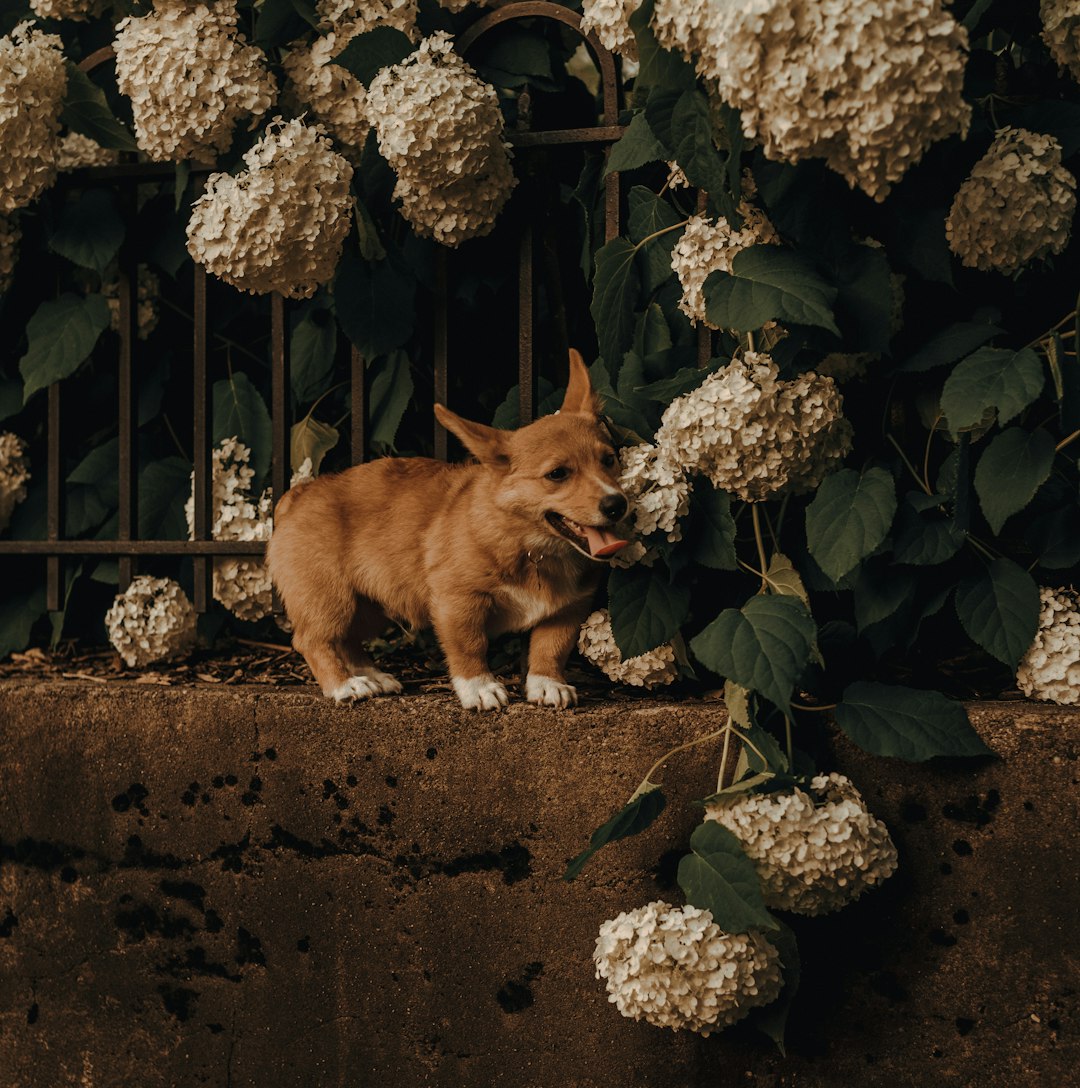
<point>1016,205</point>
<point>151,621</point>
<point>10,236</point>
<point>461,5</point>
<point>754,435</point>
<point>14,475</point>
<point>676,968</point>
<point>814,851</point>
<point>77,150</point>
<point>676,179</point>
<point>304,474</point>
<point>596,643</point>
<point>280,224</point>
<point>148,291</point>
<point>191,77</point>
<point>1051,668</point>
<point>868,85</point>
<point>33,82</point>
<point>352,17</point>
<point>241,585</point>
<point>610,21</point>
<point>440,128</point>
<point>707,246</point>
<point>657,488</point>
<point>846,366</point>
<point>1061,32</point>
<point>77,11</point>
<point>332,95</point>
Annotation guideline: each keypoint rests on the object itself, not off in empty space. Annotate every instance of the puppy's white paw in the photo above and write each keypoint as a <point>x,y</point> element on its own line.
<point>481,692</point>
<point>366,683</point>
<point>547,691</point>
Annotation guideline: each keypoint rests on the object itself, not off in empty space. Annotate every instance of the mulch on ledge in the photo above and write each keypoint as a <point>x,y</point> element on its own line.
<point>248,661</point>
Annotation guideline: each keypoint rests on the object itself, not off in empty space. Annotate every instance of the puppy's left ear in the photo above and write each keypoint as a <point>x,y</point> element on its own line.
<point>486,444</point>
<point>580,395</point>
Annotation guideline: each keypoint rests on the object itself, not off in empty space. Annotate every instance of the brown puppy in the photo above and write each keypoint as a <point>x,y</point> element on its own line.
<point>516,541</point>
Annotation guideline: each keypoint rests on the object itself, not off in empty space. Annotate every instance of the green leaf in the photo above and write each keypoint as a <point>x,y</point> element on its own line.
<point>11,397</point>
<point>637,146</point>
<point>782,578</point>
<point>650,214</point>
<point>367,54</point>
<point>658,68</point>
<point>718,877</point>
<point>389,395</point>
<point>924,538</point>
<point>312,348</point>
<point>765,646</point>
<point>864,300</point>
<point>772,1019</point>
<point>164,487</point>
<point>999,609</point>
<point>769,283</point>
<point>24,606</point>
<point>695,150</point>
<point>713,527</point>
<point>61,335</point>
<point>615,287</point>
<point>886,720</point>
<point>367,234</point>
<point>89,231</point>
<point>682,381</point>
<point>240,411</point>
<point>515,58</point>
<point>94,488</point>
<point>880,593</point>
<point>849,518</point>
<point>647,610</point>
<point>1012,468</point>
<point>311,438</point>
<point>375,304</point>
<point>991,378</point>
<point>950,344</point>
<point>633,818</point>
<point>87,112</point>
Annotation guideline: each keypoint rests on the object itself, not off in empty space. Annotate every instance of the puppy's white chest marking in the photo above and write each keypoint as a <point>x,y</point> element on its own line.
<point>519,609</point>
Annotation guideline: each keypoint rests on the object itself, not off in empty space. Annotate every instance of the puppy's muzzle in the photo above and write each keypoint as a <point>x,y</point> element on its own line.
<point>613,507</point>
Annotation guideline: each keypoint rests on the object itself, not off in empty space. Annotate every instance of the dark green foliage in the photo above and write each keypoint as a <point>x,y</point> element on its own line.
<point>647,608</point>
<point>61,336</point>
<point>631,819</point>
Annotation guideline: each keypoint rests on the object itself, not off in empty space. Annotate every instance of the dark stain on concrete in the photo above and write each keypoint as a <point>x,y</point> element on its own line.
<point>964,1025</point>
<point>132,797</point>
<point>179,1001</point>
<point>973,809</point>
<point>962,848</point>
<point>249,948</point>
<point>139,856</point>
<point>515,995</point>
<point>32,1014</point>
<point>139,920</point>
<point>39,854</point>
<point>9,923</point>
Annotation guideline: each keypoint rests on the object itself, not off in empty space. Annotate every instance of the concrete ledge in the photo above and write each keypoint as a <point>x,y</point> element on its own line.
<point>241,886</point>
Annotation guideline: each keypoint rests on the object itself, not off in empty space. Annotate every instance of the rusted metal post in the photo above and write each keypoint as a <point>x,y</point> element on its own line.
<point>201,443</point>
<point>127,296</point>
<point>440,347</point>
<point>279,409</point>
<point>54,573</point>
<point>358,409</point>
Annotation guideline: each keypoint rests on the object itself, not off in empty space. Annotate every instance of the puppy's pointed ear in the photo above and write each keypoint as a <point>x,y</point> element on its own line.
<point>486,444</point>
<point>580,396</point>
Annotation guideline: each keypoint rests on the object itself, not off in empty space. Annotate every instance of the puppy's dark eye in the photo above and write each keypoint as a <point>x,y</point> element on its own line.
<point>558,474</point>
<point>608,460</point>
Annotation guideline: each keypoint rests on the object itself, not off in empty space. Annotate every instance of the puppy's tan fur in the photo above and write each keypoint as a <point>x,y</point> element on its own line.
<point>464,548</point>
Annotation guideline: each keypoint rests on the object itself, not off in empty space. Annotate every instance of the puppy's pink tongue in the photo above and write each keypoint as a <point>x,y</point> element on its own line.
<point>603,542</point>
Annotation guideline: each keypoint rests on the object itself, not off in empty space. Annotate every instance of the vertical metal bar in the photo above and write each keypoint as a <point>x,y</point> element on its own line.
<point>279,408</point>
<point>440,346</point>
<point>54,574</point>
<point>610,82</point>
<point>556,296</point>
<point>201,443</point>
<point>358,411</point>
<point>127,521</point>
<point>526,375</point>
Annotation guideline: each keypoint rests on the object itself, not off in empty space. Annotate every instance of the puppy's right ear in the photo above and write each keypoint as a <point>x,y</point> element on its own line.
<point>486,444</point>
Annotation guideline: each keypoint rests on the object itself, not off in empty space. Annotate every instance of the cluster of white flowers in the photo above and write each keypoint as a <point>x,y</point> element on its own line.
<point>596,643</point>
<point>33,82</point>
<point>610,21</point>
<point>280,224</point>
<point>657,489</point>
<point>440,128</point>
<point>152,620</point>
<point>846,367</point>
<point>754,435</point>
<point>191,77</point>
<point>241,585</point>
<point>1061,32</point>
<point>1051,668</point>
<point>14,475</point>
<point>77,11</point>
<point>1016,205</point>
<point>676,968</point>
<point>333,96</point>
<point>77,150</point>
<point>814,851</point>
<point>148,292</point>
<point>352,17</point>
<point>707,246</point>
<point>10,236</point>
<point>868,85</point>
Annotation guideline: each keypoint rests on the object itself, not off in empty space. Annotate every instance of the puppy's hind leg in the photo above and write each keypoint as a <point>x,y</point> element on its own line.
<point>369,622</point>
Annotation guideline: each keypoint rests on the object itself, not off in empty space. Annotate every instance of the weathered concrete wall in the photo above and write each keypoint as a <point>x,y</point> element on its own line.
<point>239,887</point>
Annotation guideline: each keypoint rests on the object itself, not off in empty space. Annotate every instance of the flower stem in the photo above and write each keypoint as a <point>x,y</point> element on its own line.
<point>756,518</point>
<point>723,755</point>
<point>910,466</point>
<point>682,747</point>
<point>790,747</point>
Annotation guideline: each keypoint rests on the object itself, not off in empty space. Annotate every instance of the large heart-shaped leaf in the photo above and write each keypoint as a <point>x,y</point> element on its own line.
<point>647,610</point>
<point>632,818</point>
<point>991,379</point>
<point>62,334</point>
<point>1012,468</point>
<point>849,518</point>
<point>999,609</point>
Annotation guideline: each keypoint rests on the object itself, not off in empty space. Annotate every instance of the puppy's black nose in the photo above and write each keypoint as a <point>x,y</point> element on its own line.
<point>613,506</point>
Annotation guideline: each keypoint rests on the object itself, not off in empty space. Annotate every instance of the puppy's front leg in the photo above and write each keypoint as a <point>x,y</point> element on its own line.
<point>460,623</point>
<point>549,647</point>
